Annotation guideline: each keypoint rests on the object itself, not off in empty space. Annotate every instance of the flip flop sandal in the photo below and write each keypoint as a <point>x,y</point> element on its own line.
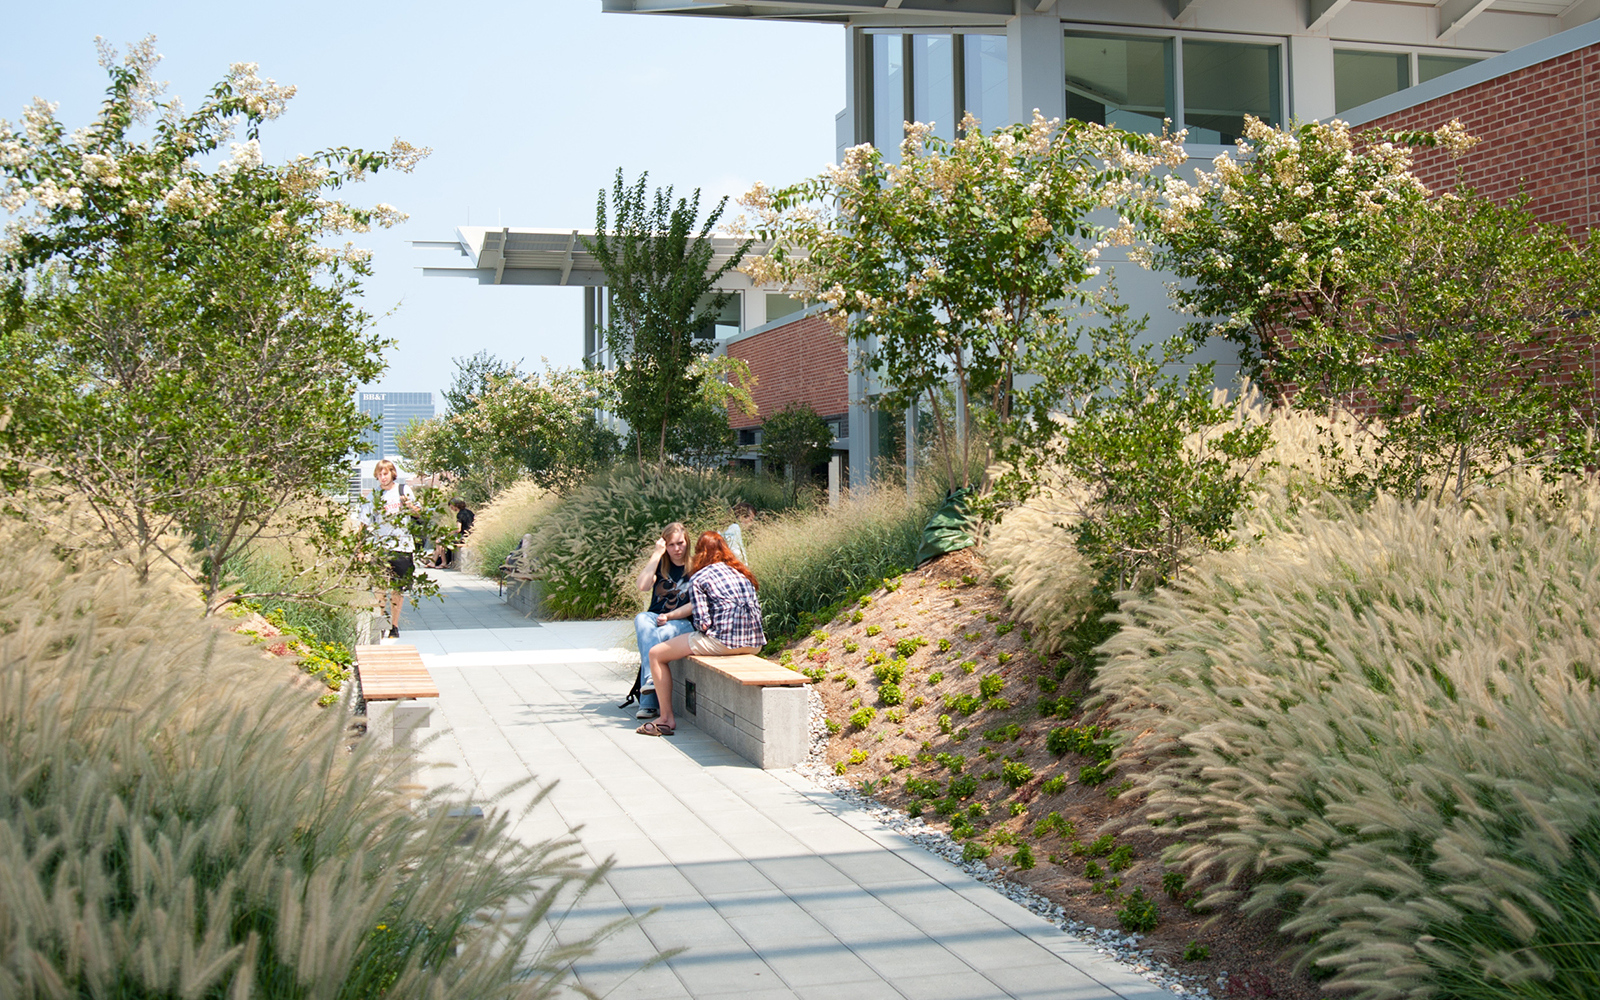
<point>654,729</point>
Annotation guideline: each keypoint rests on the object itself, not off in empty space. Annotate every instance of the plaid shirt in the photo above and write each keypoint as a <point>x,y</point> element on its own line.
<point>726,607</point>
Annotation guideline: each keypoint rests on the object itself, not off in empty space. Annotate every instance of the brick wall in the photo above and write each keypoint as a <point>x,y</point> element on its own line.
<point>799,362</point>
<point>1538,129</point>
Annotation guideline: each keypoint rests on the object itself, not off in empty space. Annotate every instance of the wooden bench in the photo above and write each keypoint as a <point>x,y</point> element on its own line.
<point>754,707</point>
<point>394,674</point>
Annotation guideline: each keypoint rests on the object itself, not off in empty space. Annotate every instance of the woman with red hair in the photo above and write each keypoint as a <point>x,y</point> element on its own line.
<point>726,618</point>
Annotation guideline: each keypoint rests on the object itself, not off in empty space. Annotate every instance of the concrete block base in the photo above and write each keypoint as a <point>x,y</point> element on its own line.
<point>527,596</point>
<point>768,726</point>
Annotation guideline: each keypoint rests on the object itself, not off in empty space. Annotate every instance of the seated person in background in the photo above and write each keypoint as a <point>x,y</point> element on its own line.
<point>666,578</point>
<point>726,616</point>
<point>445,555</point>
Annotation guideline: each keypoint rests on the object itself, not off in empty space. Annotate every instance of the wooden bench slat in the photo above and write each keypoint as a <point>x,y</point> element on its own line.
<point>752,670</point>
<point>387,673</point>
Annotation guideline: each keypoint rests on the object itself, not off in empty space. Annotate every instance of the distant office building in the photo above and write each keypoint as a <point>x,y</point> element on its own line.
<point>393,411</point>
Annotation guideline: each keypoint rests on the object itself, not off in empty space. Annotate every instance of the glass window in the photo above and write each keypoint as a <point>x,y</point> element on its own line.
<point>1126,82</point>
<point>888,94</point>
<point>984,71</point>
<point>726,322</point>
<point>1359,77</point>
<point>933,82</point>
<point>1429,67</point>
<point>1223,82</point>
<point>780,305</point>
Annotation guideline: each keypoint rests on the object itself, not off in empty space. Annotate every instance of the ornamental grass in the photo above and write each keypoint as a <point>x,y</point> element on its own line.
<point>176,821</point>
<point>1381,727</point>
<point>587,546</point>
<point>499,525</point>
<point>810,559</point>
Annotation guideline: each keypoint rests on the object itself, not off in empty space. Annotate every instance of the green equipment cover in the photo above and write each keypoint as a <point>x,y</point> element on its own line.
<point>947,528</point>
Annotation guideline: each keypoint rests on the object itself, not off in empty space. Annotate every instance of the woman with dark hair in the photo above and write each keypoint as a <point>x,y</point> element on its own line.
<point>665,577</point>
<point>726,616</point>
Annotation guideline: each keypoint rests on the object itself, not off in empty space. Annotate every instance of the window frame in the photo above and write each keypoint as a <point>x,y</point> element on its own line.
<point>866,98</point>
<point>1178,35</point>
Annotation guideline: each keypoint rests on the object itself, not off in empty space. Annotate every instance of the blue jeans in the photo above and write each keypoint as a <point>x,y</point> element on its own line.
<point>649,633</point>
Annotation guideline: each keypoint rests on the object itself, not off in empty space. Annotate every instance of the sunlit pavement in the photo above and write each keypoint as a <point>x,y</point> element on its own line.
<point>776,888</point>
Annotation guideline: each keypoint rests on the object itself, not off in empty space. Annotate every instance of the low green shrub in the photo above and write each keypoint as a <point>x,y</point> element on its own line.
<point>862,717</point>
<point>963,787</point>
<point>923,788</point>
<point>1054,785</point>
<point>1015,774</point>
<point>890,671</point>
<point>966,704</point>
<point>953,762</point>
<point>1023,858</point>
<point>1054,823</point>
<point>1139,913</point>
<point>991,685</point>
<point>905,647</point>
<point>1086,740</point>
<point>890,694</point>
<point>974,851</point>
<point>1095,774</point>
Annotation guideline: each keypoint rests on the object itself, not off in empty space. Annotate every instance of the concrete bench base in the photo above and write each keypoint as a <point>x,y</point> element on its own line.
<point>395,691</point>
<point>527,596</point>
<point>767,722</point>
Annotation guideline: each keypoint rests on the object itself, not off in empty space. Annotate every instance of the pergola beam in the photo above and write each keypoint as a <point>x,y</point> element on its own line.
<point>566,263</point>
<point>500,265</point>
<point>1323,11</point>
<point>1456,14</point>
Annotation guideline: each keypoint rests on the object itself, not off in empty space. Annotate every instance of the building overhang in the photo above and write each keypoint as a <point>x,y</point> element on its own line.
<point>508,255</point>
<point>858,12</point>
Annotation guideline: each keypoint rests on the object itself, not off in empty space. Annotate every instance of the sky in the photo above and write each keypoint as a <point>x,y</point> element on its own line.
<point>529,107</point>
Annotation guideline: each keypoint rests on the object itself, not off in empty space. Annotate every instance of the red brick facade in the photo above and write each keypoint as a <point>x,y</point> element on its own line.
<point>799,362</point>
<point>1539,132</point>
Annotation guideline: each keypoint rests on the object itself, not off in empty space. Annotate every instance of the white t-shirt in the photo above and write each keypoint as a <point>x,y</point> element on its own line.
<point>386,517</point>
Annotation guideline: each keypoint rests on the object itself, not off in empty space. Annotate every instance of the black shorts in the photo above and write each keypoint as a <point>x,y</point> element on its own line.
<point>400,569</point>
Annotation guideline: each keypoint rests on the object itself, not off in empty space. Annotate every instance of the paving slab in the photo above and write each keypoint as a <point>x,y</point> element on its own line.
<point>770,885</point>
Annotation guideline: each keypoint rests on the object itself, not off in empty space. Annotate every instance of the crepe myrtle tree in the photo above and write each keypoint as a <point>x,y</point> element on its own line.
<point>963,263</point>
<point>1453,328</point>
<point>657,257</point>
<point>181,342</point>
<point>538,425</point>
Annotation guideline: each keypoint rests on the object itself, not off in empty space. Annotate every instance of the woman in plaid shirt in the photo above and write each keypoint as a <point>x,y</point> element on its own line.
<point>726,618</point>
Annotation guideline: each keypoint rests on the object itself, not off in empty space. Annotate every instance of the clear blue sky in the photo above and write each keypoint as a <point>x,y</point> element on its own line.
<point>530,108</point>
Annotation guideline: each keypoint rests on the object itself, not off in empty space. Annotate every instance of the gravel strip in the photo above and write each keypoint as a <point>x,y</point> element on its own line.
<point>1114,942</point>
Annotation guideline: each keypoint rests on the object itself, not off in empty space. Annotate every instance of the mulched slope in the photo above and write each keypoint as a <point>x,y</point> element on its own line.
<point>944,619</point>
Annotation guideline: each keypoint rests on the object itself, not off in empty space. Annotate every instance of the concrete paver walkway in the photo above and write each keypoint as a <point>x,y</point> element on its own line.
<point>775,888</point>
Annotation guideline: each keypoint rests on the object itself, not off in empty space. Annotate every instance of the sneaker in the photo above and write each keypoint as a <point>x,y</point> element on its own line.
<point>394,632</point>
<point>646,713</point>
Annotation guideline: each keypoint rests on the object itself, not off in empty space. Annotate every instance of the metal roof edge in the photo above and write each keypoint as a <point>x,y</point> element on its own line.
<point>771,325</point>
<point>1545,49</point>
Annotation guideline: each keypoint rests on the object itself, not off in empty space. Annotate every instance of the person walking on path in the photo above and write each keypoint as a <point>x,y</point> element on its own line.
<point>726,614</point>
<point>666,578</point>
<point>387,518</point>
